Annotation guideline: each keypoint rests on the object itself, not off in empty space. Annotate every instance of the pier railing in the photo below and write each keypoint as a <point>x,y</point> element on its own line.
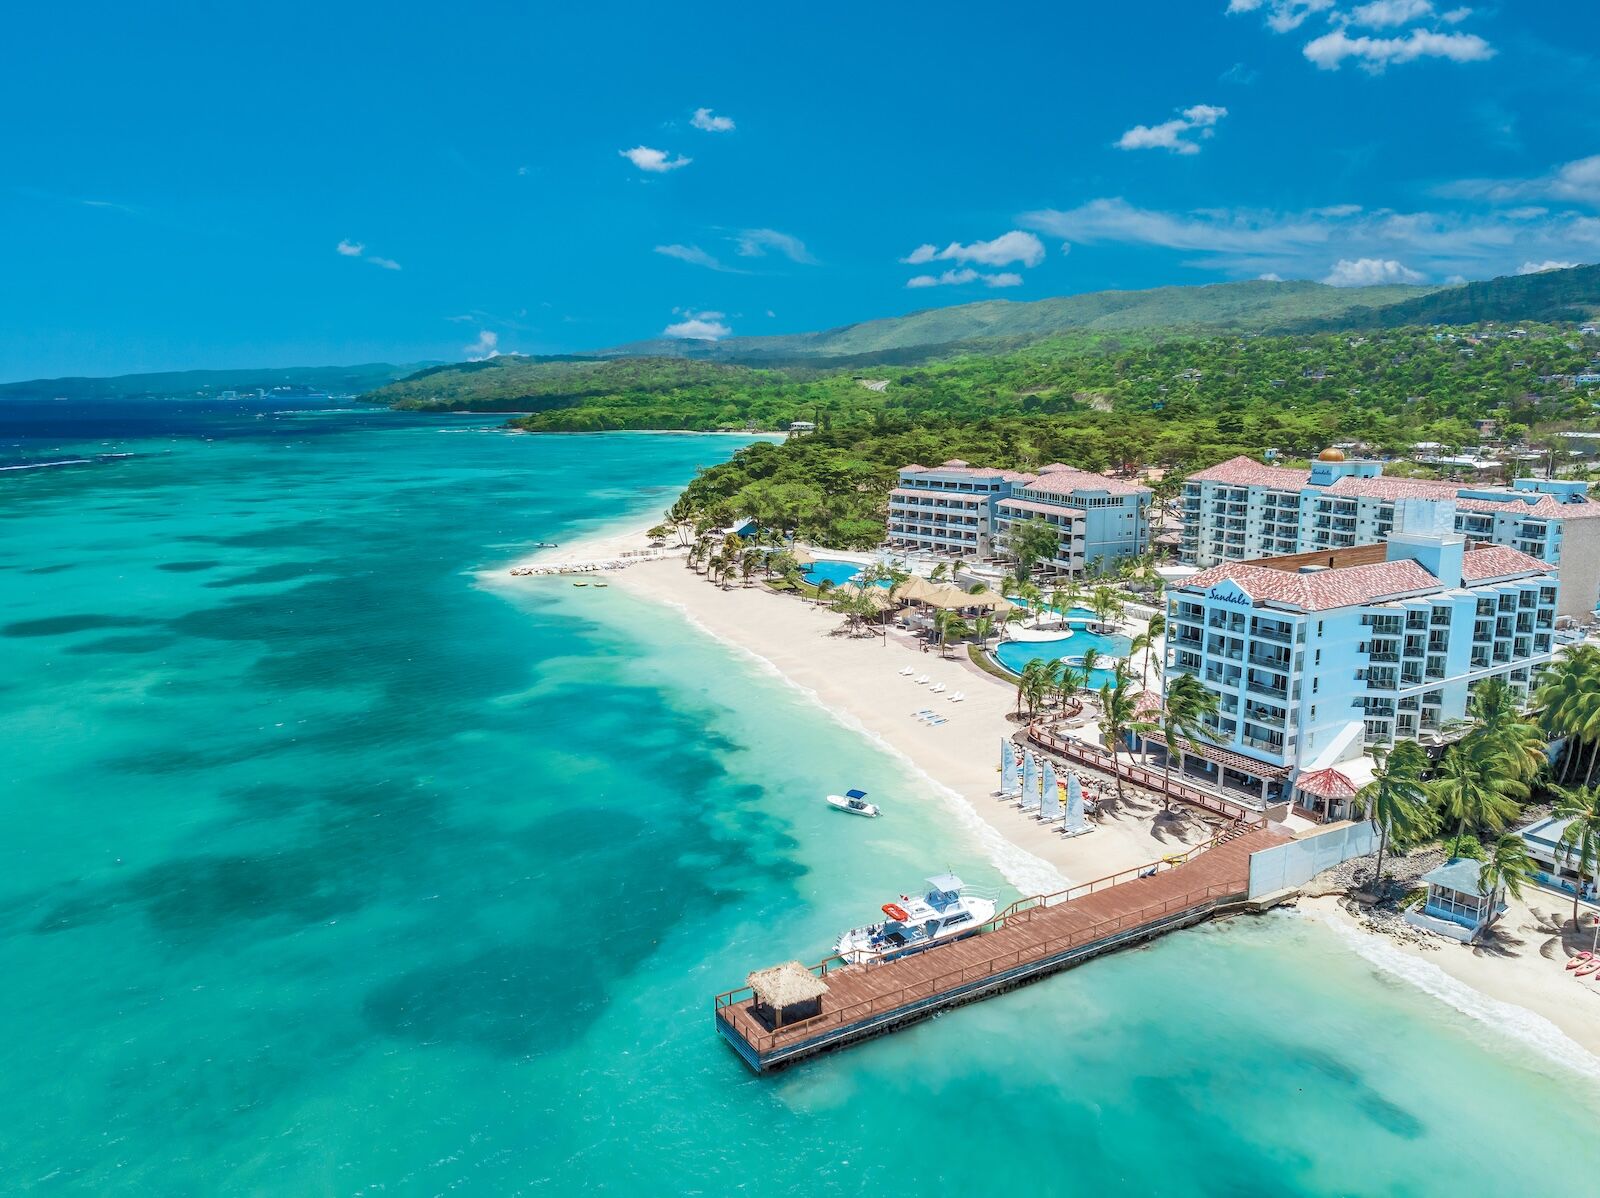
<point>1001,963</point>
<point>1139,775</point>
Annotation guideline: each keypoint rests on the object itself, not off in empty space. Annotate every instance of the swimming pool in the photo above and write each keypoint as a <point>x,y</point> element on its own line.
<point>1015,655</point>
<point>835,572</point>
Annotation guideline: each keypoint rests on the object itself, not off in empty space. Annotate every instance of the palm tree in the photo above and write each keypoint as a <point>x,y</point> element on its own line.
<point>1145,642</point>
<point>983,629</point>
<point>949,624</point>
<point>1184,710</point>
<point>1396,801</point>
<point>1118,702</point>
<point>1028,681</point>
<point>1568,699</point>
<point>749,563</point>
<point>1106,606</point>
<point>1581,838</point>
<point>1473,788</point>
<point>1068,682</point>
<point>1499,721</point>
<point>824,589</point>
<point>1508,866</point>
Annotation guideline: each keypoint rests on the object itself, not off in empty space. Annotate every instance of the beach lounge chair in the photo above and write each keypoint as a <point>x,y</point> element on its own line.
<point>908,671</point>
<point>958,697</point>
<point>922,680</point>
<point>923,714</point>
<point>939,689</point>
<point>935,721</point>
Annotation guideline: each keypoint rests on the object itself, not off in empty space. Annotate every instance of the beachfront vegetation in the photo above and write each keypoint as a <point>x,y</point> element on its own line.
<point>1186,706</point>
<point>1396,801</point>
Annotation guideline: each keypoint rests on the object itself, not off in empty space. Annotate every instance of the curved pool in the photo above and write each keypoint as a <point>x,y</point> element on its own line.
<point>1015,655</point>
<point>836,572</point>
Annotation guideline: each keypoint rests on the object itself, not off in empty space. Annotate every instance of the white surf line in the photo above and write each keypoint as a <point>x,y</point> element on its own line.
<point>47,465</point>
<point>1028,873</point>
<point>1518,1023</point>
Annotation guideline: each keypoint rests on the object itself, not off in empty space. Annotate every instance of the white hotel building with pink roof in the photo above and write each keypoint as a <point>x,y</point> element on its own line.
<point>1242,509</point>
<point>959,510</point>
<point>1317,657</point>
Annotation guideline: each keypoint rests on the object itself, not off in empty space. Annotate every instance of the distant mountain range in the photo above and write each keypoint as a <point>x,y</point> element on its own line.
<point>1259,306</point>
<point>338,380</point>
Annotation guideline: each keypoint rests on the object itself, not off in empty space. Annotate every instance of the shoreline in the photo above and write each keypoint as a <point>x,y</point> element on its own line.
<point>1519,992</point>
<point>791,640</point>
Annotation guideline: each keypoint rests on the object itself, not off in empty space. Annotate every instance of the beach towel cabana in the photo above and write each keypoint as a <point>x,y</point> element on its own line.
<point>786,994</point>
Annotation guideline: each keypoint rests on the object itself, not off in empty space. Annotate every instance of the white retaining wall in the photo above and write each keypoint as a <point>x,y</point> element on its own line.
<point>1297,862</point>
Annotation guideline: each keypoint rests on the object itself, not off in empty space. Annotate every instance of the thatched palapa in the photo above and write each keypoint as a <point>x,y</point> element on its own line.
<point>786,993</point>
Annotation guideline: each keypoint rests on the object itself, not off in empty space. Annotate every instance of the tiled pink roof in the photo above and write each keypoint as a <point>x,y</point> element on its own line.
<point>1322,590</point>
<point>1498,561</point>
<point>1063,480</point>
<point>1326,784</point>
<point>1549,506</point>
<point>1247,472</point>
<point>1043,509</point>
<point>956,466</point>
<point>1391,488</point>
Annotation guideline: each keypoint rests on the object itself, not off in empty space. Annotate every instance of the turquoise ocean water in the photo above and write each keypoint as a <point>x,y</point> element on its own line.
<point>331,866</point>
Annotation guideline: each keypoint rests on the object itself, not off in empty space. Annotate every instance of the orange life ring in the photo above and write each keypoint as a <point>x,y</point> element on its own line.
<point>896,911</point>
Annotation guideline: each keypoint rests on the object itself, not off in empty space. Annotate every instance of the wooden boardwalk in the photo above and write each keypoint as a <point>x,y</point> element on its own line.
<point>1032,938</point>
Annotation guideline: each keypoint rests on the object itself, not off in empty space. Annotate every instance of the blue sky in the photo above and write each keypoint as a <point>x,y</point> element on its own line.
<point>187,186</point>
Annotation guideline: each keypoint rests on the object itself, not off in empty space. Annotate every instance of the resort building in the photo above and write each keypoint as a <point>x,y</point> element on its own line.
<point>1101,520</point>
<point>1317,657</point>
<point>1241,510</point>
<point>1557,863</point>
<point>959,510</point>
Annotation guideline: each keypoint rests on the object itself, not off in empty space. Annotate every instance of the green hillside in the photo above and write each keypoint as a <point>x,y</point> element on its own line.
<point>339,380</point>
<point>1549,295</point>
<point>1244,307</point>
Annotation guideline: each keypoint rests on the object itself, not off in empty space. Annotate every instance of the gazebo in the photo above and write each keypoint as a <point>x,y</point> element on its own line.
<point>786,994</point>
<point>1454,906</point>
<point>1325,795</point>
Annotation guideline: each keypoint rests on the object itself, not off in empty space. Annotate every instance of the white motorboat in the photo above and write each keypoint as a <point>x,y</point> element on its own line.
<point>947,911</point>
<point>854,802</point>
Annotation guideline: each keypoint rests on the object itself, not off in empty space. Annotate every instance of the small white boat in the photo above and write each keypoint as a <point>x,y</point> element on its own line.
<point>949,910</point>
<point>580,583</point>
<point>854,802</point>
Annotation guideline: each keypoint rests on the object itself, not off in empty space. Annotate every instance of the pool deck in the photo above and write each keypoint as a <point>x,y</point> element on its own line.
<point>1032,938</point>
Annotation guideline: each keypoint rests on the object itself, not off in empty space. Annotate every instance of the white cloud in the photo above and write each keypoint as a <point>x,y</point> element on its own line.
<point>695,256</point>
<point>1282,15</point>
<point>704,118</point>
<point>655,161</point>
<point>1245,242</point>
<point>697,326</point>
<point>1369,272</point>
<point>1375,53</point>
<point>486,346</point>
<point>958,278</point>
<point>1386,14</point>
<point>754,243</point>
<point>1015,246</point>
<point>354,249</point>
<point>1534,268</point>
<point>1577,181</point>
<point>1270,277</point>
<point>1169,135</point>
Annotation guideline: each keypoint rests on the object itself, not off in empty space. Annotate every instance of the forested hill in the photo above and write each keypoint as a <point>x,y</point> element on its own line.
<point>1254,306</point>
<point>1547,295</point>
<point>339,380</point>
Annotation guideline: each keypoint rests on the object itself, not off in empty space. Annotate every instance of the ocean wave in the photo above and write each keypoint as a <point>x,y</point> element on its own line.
<point>1525,1026</point>
<point>48,465</point>
<point>1028,873</point>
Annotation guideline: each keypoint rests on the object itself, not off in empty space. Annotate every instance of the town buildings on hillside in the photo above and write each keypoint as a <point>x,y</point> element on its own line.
<point>1241,509</point>
<point>959,510</point>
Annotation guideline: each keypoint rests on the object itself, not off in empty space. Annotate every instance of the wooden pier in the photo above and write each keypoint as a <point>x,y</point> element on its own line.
<point>1031,938</point>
